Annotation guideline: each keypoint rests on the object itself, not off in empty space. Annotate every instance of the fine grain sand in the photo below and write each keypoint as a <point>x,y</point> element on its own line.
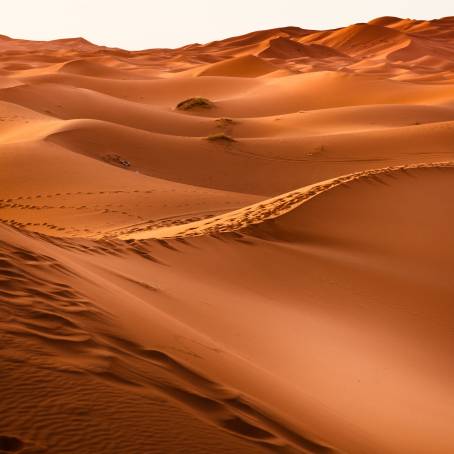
<point>268,269</point>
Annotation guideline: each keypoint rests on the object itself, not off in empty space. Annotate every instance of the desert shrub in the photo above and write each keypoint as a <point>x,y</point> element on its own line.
<point>193,103</point>
<point>116,159</point>
<point>223,122</point>
<point>221,137</point>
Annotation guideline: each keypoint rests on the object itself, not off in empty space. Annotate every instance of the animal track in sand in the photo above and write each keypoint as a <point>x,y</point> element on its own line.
<point>163,222</point>
<point>60,194</point>
<point>23,225</point>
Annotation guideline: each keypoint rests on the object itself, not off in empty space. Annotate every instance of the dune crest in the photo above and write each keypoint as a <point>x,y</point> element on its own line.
<point>245,66</point>
<point>266,209</point>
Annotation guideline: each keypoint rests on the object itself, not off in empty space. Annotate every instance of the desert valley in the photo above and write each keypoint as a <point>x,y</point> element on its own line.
<point>244,246</point>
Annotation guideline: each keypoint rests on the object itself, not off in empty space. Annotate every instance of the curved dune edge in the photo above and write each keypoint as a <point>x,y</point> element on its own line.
<point>262,211</point>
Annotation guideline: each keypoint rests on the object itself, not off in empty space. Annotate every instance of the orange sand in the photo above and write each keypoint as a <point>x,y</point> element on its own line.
<point>288,290</point>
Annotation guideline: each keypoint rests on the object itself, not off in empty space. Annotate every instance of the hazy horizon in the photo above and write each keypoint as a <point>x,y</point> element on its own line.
<point>141,24</point>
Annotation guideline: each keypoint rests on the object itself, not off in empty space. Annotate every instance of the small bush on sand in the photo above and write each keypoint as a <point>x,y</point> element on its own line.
<point>193,103</point>
<point>225,122</point>
<point>116,159</point>
<point>221,137</point>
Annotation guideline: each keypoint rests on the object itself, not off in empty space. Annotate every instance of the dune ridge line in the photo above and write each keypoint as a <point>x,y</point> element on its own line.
<point>265,210</point>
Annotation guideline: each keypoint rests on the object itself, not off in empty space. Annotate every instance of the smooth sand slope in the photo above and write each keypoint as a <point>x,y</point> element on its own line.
<point>266,268</point>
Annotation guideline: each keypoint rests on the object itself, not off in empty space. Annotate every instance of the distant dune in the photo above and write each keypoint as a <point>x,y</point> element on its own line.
<point>268,269</point>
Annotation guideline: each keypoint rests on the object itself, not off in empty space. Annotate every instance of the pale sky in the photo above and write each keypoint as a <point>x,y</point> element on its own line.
<point>140,24</point>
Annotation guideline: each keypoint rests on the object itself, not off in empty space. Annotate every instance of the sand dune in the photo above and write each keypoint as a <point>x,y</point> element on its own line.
<point>362,38</point>
<point>246,66</point>
<point>267,269</point>
<point>284,48</point>
<point>86,67</point>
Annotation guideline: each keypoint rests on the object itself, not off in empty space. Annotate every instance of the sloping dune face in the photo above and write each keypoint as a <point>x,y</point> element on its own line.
<point>238,247</point>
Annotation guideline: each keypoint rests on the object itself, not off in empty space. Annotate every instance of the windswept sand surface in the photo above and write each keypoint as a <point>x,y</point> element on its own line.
<point>268,269</point>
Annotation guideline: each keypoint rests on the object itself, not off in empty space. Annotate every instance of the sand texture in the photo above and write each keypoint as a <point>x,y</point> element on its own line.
<point>244,246</point>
